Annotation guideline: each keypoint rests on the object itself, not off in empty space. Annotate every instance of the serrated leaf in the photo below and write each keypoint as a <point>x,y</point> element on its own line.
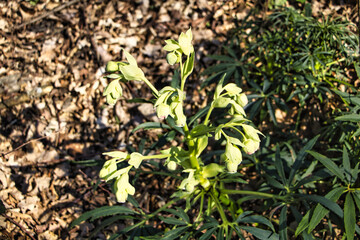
<point>279,166</point>
<point>282,224</point>
<point>329,164</point>
<point>150,125</point>
<point>175,233</point>
<point>207,235</point>
<point>304,223</point>
<point>320,211</point>
<point>353,117</point>
<point>102,212</point>
<point>330,205</point>
<point>179,212</point>
<point>301,157</point>
<point>261,233</point>
<point>349,217</point>
<point>257,219</point>
<point>172,221</point>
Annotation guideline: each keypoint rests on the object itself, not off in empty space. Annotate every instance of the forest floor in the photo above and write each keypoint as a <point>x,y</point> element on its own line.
<point>55,123</point>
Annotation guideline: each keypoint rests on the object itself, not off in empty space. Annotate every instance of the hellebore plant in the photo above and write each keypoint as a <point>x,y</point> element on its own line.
<point>235,133</point>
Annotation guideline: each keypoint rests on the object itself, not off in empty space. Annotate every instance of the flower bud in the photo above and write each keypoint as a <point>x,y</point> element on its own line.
<point>112,66</point>
<point>211,170</point>
<point>113,92</point>
<point>172,58</point>
<point>172,166</point>
<point>242,100</point>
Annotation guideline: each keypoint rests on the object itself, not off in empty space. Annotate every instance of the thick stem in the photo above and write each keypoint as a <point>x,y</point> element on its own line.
<point>191,144</point>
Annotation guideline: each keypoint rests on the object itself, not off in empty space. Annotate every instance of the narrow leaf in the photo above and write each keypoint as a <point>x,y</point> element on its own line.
<point>320,211</point>
<point>261,233</point>
<point>283,224</point>
<point>332,206</point>
<point>349,217</point>
<point>329,164</point>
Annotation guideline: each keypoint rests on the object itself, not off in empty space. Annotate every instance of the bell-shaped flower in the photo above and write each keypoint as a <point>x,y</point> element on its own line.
<point>233,156</point>
<point>180,118</point>
<point>232,89</point>
<point>123,188</point>
<point>250,145</point>
<point>251,132</point>
<point>135,159</point>
<point>109,168</point>
<point>163,110</point>
<point>131,71</point>
<point>113,92</point>
<point>185,42</point>
<point>190,182</point>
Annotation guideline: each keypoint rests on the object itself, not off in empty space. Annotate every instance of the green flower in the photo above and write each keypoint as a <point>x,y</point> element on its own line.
<point>113,92</point>
<point>250,146</point>
<point>190,182</point>
<point>123,188</point>
<point>242,99</point>
<point>251,132</point>
<point>131,71</point>
<point>233,157</point>
<point>212,170</point>
<point>135,159</point>
<point>185,42</point>
<point>108,169</point>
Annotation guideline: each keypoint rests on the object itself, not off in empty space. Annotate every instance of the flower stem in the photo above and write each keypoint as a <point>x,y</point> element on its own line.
<point>206,121</point>
<point>191,144</point>
<point>155,91</point>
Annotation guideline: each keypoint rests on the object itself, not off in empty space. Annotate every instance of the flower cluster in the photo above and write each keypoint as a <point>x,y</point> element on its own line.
<point>176,49</point>
<point>170,102</point>
<point>109,172</point>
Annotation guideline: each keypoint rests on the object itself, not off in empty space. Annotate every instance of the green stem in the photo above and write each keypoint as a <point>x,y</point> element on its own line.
<point>253,193</point>
<point>199,217</point>
<point>206,121</point>
<point>155,91</point>
<point>219,208</point>
<point>156,156</point>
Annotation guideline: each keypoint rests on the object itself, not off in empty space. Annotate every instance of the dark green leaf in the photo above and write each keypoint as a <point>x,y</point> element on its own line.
<point>304,223</point>
<point>172,221</point>
<point>353,117</point>
<point>301,157</point>
<point>329,164</point>
<point>320,211</point>
<point>179,212</point>
<point>349,217</point>
<point>261,233</point>
<point>102,212</point>
<point>199,114</point>
<point>330,205</point>
<point>257,219</point>
<point>150,125</point>
<point>279,166</point>
<point>283,224</point>
<point>175,233</point>
<point>207,235</point>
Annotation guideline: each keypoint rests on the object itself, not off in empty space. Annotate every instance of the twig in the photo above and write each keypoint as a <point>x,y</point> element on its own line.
<point>56,9</point>
<point>36,139</point>
<point>18,224</point>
